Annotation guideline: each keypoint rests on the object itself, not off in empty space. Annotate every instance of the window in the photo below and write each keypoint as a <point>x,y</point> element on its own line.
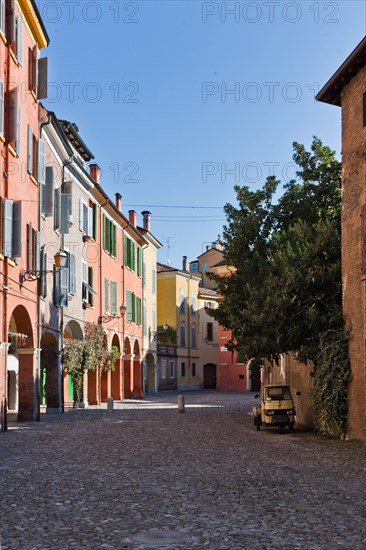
<point>163,369</point>
<point>133,307</point>
<point>12,228</point>
<point>193,336</point>
<point>106,295</point>
<point>182,335</point>
<point>2,17</point>
<point>139,261</point>
<point>154,281</point>
<point>47,192</point>
<point>61,287</point>
<point>240,358</point>
<point>14,120</point>
<point>37,73</point>
<point>183,369</point>
<point>61,211</point>
<point>144,274</point>
<point>193,369</point>
<point>113,298</point>
<point>33,249</point>
<point>171,369</point>
<point>86,219</point>
<point>129,253</point>
<point>204,266</point>
<point>87,276</point>
<point>209,332</point>
<point>154,322</point>
<point>144,318</point>
<point>193,303</point>
<point>194,267</point>
<point>72,274</point>
<point>109,236</point>
<point>182,301</point>
<point>14,31</point>
<point>36,157</point>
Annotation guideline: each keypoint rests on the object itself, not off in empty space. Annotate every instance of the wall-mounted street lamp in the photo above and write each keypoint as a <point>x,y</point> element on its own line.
<point>60,262</point>
<point>108,318</point>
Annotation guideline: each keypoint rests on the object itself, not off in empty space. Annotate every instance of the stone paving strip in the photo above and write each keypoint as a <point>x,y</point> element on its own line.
<point>145,477</point>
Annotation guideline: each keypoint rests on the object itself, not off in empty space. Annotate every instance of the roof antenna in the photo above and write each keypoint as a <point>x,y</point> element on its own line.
<point>168,251</point>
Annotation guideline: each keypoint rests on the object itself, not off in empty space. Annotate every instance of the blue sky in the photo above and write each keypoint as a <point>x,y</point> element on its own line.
<point>148,84</point>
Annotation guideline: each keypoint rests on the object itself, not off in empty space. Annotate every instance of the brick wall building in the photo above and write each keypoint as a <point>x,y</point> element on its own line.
<point>347,89</point>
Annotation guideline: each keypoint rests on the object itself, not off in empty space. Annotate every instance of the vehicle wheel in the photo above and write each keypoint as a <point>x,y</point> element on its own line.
<point>291,427</point>
<point>280,428</point>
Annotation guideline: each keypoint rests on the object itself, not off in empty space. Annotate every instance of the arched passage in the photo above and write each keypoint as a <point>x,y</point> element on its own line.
<point>116,374</point>
<point>72,331</point>
<point>152,378</point>
<point>22,383</point>
<point>137,371</point>
<point>50,378</point>
<point>127,378</point>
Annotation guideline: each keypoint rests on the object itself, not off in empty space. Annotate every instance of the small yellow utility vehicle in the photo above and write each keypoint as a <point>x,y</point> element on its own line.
<point>276,409</point>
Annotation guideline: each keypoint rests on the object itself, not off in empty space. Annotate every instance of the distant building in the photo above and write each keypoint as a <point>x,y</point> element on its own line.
<point>178,309</point>
<point>213,254</point>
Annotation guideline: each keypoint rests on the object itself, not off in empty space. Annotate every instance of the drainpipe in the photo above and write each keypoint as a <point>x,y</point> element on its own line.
<point>143,248</point>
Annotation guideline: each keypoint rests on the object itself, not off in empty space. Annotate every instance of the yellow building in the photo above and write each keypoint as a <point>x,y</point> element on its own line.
<point>177,300</point>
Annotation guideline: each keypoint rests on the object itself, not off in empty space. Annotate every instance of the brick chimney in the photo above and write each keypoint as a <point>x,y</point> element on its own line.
<point>119,201</point>
<point>132,217</point>
<point>146,216</point>
<point>94,170</point>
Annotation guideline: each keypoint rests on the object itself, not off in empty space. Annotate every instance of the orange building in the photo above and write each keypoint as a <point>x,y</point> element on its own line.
<point>22,169</point>
<point>347,89</point>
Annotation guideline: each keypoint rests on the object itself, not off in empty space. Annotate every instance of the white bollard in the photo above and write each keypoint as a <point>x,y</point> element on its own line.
<point>110,403</point>
<point>181,404</point>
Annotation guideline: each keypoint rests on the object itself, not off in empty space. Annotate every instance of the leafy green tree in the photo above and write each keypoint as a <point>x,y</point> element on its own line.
<point>89,354</point>
<point>284,292</point>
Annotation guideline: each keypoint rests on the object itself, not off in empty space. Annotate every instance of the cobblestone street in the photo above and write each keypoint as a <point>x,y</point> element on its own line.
<point>146,477</point>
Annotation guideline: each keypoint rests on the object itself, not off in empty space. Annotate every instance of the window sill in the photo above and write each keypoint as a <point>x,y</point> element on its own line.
<point>12,151</point>
<point>14,57</point>
<point>34,95</point>
<point>33,179</point>
<point>11,262</point>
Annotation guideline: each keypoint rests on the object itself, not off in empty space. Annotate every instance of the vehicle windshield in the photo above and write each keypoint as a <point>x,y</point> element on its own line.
<point>278,394</point>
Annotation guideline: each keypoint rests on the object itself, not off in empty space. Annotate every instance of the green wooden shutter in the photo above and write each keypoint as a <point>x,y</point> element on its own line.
<point>106,294</point>
<point>125,253</point>
<point>104,233</point>
<point>70,387</point>
<point>132,255</point>
<point>129,305</point>
<point>114,297</point>
<point>138,311</point>
<point>139,261</point>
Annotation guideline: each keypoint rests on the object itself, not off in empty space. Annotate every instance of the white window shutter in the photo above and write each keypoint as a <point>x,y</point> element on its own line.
<point>64,213</point>
<point>41,176</point>
<point>17,229</point>
<point>30,150</point>
<point>90,222</point>
<point>19,45</point>
<point>81,215</point>
<point>38,251</point>
<point>47,192</point>
<point>8,228</point>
